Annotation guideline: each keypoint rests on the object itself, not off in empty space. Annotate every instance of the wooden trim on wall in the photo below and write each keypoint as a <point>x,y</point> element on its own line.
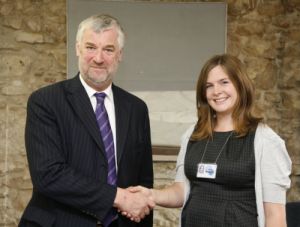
<point>165,153</point>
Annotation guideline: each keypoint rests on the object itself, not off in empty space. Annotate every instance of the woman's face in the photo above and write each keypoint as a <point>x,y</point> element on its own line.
<point>220,92</point>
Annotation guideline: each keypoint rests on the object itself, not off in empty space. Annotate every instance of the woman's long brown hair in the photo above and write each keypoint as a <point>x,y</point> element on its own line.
<point>244,119</point>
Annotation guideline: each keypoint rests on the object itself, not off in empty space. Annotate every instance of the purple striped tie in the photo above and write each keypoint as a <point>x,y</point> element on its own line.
<point>107,138</point>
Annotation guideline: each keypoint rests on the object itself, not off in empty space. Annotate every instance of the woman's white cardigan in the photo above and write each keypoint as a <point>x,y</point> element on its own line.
<point>272,168</point>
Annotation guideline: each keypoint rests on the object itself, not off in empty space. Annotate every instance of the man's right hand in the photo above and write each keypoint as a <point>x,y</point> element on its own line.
<point>134,202</point>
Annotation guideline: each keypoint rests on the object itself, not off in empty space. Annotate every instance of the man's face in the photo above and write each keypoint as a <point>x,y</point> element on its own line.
<point>98,55</point>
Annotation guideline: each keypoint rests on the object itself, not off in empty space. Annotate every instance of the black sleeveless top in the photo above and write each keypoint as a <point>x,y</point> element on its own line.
<point>229,199</point>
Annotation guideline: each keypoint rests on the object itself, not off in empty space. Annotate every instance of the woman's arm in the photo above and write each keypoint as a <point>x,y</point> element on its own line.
<point>274,215</point>
<point>171,196</point>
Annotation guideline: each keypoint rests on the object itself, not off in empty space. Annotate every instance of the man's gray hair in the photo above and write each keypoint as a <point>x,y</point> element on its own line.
<point>99,23</point>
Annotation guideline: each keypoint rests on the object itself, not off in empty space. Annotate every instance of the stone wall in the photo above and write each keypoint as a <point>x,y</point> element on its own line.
<point>32,54</point>
<point>264,34</point>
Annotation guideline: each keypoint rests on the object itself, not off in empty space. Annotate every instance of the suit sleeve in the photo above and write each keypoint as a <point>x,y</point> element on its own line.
<point>51,175</point>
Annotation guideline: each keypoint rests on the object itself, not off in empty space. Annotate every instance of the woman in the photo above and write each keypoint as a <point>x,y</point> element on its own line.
<point>232,170</point>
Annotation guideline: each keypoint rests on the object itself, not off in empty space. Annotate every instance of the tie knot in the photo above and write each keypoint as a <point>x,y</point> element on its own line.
<point>100,97</point>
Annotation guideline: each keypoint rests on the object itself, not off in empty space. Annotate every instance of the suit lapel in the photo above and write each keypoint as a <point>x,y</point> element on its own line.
<point>122,111</point>
<point>81,104</point>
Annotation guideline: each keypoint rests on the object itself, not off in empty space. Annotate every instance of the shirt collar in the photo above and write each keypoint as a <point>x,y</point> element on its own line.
<point>91,91</point>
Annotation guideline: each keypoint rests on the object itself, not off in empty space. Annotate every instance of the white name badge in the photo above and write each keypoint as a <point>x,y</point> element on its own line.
<point>206,170</point>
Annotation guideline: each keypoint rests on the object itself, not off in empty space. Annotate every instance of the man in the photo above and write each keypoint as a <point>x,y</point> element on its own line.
<point>87,140</point>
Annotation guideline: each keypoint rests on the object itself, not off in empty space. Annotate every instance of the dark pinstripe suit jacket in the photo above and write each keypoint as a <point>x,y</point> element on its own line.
<point>66,157</point>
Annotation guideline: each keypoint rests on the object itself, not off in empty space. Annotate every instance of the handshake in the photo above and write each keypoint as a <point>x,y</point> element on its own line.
<point>134,202</point>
